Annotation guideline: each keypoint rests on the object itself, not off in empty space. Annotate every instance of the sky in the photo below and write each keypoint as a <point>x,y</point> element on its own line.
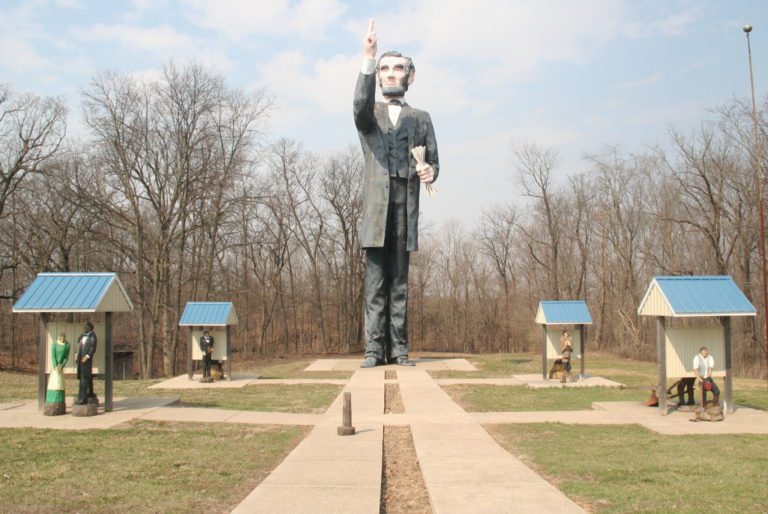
<point>575,76</point>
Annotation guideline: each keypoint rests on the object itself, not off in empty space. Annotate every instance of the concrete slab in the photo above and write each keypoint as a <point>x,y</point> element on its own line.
<point>12,405</point>
<point>579,417</point>
<point>537,382</point>
<point>183,382</point>
<point>322,365</point>
<point>479,381</point>
<point>270,499</point>
<point>742,421</point>
<point>464,469</point>
<point>299,381</point>
<point>458,364</point>
<point>327,472</point>
<point>26,415</point>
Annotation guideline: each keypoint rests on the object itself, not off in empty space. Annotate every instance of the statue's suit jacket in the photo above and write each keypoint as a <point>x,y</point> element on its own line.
<point>86,345</point>
<point>372,122</point>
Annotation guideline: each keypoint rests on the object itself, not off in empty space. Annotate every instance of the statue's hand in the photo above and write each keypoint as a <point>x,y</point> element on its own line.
<point>370,42</point>
<point>426,173</point>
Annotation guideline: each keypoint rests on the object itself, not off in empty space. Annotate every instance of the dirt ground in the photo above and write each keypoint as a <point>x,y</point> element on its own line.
<point>393,401</point>
<point>402,486</point>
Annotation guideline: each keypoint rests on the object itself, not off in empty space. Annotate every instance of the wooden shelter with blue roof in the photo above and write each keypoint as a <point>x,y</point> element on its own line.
<point>557,314</point>
<point>218,318</point>
<point>694,297</point>
<point>52,293</point>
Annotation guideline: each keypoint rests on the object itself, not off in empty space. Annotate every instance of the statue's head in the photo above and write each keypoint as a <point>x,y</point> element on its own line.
<point>395,72</point>
<point>206,333</point>
<point>88,326</point>
<point>704,351</point>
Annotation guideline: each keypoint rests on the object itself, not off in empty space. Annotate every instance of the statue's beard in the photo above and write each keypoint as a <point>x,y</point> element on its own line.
<point>398,90</point>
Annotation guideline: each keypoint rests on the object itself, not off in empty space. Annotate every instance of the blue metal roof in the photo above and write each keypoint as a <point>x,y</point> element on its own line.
<point>704,295</point>
<point>67,292</point>
<point>207,314</point>
<point>564,313</point>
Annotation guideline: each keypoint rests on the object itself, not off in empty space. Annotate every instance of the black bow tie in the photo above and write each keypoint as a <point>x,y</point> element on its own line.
<point>396,102</point>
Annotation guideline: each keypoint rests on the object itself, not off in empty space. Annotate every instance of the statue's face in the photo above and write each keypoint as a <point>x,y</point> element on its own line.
<point>704,353</point>
<point>392,76</point>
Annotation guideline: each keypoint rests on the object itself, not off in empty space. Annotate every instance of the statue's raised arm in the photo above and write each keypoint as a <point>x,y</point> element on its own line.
<point>370,43</point>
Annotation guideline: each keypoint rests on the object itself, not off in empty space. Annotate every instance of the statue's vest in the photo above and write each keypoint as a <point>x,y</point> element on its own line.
<point>397,144</point>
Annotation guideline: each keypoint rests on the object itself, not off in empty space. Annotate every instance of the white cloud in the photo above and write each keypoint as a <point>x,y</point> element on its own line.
<point>236,19</point>
<point>674,24</point>
<point>505,41</point>
<point>309,91</point>
<point>162,40</point>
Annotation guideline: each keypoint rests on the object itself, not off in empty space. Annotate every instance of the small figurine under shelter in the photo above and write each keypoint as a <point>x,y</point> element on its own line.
<point>54,397</point>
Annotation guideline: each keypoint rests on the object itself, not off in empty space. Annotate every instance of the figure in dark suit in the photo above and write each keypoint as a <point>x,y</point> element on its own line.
<point>86,347</point>
<point>206,346</point>
<point>389,226</point>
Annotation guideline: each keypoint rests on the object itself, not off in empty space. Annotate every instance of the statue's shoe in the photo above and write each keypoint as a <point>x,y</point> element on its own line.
<point>404,361</point>
<point>371,362</point>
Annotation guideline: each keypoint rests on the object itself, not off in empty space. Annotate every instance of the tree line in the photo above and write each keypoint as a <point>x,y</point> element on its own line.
<point>177,187</point>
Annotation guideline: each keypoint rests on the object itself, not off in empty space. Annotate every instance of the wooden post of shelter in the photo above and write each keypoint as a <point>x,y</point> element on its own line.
<point>229,352</point>
<point>728,386</point>
<point>190,362</point>
<point>42,377</point>
<point>544,353</point>
<point>583,339</point>
<point>661,355</point>
<point>109,362</point>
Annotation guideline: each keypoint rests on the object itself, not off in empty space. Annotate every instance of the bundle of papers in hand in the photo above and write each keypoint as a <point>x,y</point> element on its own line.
<point>418,153</point>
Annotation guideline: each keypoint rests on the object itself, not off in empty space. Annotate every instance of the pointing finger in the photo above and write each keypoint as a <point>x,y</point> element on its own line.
<point>370,25</point>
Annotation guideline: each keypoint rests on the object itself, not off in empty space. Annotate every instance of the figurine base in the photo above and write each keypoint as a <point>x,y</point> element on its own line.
<point>55,409</point>
<point>345,430</point>
<point>89,409</point>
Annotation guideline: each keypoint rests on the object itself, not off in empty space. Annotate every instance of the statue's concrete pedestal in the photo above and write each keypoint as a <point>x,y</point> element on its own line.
<point>55,409</point>
<point>89,409</point>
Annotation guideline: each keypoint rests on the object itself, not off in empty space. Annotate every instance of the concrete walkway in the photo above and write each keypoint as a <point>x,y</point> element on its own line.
<point>26,414</point>
<point>464,469</point>
<point>450,364</point>
<point>238,381</point>
<point>328,473</point>
<point>536,381</point>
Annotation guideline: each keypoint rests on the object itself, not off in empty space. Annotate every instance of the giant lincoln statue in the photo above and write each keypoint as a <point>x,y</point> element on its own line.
<point>389,131</point>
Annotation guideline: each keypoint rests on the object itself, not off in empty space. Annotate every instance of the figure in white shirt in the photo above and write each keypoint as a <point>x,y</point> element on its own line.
<point>703,364</point>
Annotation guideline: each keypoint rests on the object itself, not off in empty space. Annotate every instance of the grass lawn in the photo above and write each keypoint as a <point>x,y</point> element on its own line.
<point>631,469</point>
<point>289,368</point>
<point>304,398</point>
<point>140,467</point>
<point>489,398</point>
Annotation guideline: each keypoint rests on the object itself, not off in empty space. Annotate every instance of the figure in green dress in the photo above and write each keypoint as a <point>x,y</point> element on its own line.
<point>54,397</point>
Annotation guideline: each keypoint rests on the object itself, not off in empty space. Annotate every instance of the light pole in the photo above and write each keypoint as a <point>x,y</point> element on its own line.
<point>759,186</point>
